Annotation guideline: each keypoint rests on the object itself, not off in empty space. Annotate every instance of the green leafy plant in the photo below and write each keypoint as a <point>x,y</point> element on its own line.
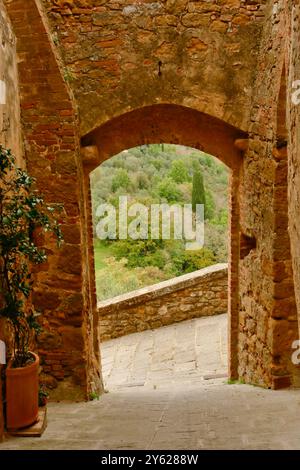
<point>179,172</point>
<point>167,189</point>
<point>22,212</point>
<point>43,396</point>
<point>68,75</point>
<point>120,180</point>
<point>94,396</point>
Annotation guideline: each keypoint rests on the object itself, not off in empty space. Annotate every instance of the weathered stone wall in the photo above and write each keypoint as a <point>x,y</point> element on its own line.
<point>293,125</point>
<point>126,54</point>
<point>10,129</point>
<point>224,59</point>
<point>268,316</point>
<point>201,293</point>
<point>68,346</point>
<point>10,136</point>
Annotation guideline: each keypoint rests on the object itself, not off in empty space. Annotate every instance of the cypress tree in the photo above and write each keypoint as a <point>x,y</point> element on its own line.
<point>198,192</point>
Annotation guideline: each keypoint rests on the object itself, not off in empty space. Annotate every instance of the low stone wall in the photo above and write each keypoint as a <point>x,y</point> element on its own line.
<point>193,295</point>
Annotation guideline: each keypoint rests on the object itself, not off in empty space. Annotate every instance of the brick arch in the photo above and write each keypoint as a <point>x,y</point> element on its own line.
<point>169,123</point>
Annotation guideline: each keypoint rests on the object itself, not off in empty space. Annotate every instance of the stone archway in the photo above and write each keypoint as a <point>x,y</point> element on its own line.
<point>169,123</point>
<point>65,290</point>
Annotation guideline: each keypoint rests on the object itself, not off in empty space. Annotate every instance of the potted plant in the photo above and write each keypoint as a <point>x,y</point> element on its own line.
<point>22,212</point>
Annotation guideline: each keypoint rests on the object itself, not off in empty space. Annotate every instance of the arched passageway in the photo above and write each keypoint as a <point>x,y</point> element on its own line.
<point>65,288</point>
<point>167,123</point>
<point>109,94</point>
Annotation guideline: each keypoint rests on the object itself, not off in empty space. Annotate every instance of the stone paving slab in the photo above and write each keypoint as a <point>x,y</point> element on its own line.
<point>178,410</point>
<point>176,354</point>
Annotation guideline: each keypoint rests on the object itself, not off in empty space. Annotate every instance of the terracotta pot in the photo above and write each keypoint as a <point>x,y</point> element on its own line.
<point>22,390</point>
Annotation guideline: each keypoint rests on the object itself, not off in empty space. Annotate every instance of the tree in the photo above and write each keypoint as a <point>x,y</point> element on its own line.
<point>120,180</point>
<point>141,180</point>
<point>167,189</point>
<point>179,172</point>
<point>198,192</point>
<point>209,209</point>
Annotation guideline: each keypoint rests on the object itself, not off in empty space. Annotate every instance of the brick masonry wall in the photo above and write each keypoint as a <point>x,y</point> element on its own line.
<point>68,345</point>
<point>10,135</point>
<point>201,293</point>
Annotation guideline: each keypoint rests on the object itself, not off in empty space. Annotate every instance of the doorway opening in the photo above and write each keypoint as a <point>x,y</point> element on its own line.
<point>174,125</point>
<point>183,299</point>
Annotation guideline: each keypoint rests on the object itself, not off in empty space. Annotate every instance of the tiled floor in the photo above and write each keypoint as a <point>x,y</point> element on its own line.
<point>164,394</point>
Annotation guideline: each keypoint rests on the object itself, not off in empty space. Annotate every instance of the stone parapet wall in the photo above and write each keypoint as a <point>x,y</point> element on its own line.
<point>193,295</point>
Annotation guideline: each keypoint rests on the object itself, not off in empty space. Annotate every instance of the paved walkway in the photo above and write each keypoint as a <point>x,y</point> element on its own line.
<point>180,354</point>
<point>164,393</point>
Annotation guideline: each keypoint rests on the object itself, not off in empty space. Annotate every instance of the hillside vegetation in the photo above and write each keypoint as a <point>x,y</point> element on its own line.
<point>156,174</point>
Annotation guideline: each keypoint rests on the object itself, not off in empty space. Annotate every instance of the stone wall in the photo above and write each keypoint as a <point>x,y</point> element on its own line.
<point>10,136</point>
<point>201,293</point>
<point>69,343</point>
<point>293,125</point>
<point>224,60</point>
<point>268,316</point>
<point>10,128</point>
<point>123,55</point>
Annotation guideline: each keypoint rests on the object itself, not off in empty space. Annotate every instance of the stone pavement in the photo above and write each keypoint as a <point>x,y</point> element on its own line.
<point>165,392</point>
<point>180,354</point>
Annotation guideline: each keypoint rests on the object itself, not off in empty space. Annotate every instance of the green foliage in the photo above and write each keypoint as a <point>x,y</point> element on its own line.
<point>43,395</point>
<point>221,218</point>
<point>141,181</point>
<point>179,172</point>
<point>68,75</point>
<point>168,190</point>
<point>116,278</point>
<point>120,180</point>
<point>94,396</point>
<point>236,381</point>
<point>189,261</point>
<point>153,174</point>
<point>198,192</point>
<point>140,252</point>
<point>209,208</point>
<point>22,213</point>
